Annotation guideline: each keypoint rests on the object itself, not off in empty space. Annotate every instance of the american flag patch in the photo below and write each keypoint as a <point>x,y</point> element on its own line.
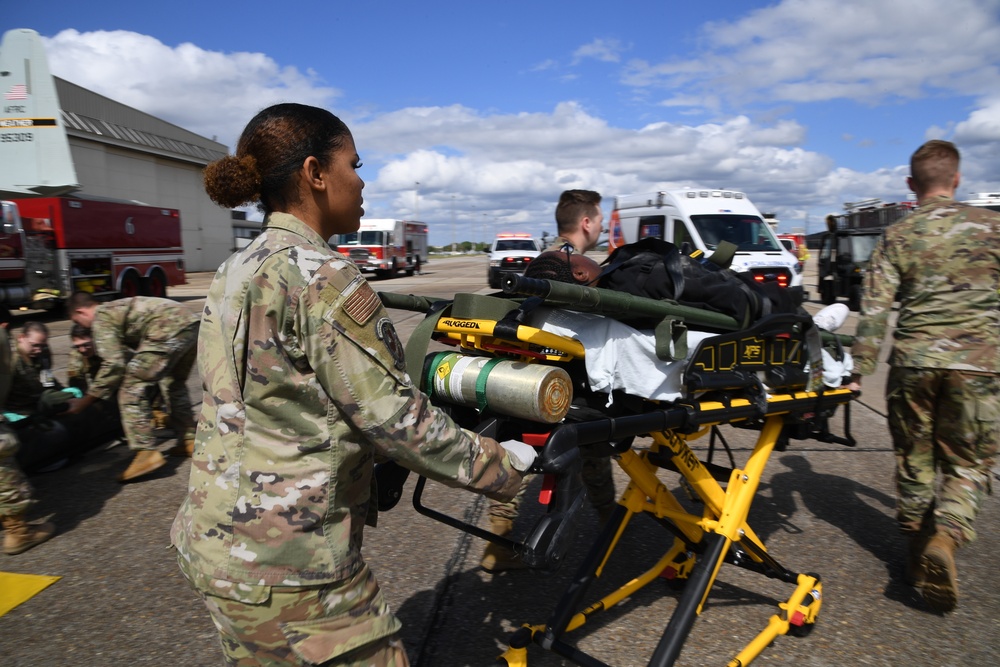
<point>18,91</point>
<point>362,303</point>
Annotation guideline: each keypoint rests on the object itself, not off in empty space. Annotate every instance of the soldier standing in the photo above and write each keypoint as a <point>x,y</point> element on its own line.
<point>579,221</point>
<point>942,263</point>
<point>141,341</point>
<point>305,383</point>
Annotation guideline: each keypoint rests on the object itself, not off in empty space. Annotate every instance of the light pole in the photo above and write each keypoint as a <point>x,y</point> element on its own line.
<point>416,200</point>
<point>453,223</point>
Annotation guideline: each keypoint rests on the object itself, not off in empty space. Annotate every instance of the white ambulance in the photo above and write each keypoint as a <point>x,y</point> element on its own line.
<point>703,218</point>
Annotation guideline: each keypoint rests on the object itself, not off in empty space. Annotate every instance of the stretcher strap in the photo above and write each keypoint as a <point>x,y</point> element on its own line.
<point>481,382</point>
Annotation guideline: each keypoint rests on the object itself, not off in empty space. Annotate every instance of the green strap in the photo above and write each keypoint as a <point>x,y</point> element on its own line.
<point>431,369</point>
<point>481,382</point>
<point>416,346</point>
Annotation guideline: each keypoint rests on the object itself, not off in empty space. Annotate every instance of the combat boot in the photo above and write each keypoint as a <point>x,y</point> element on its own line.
<point>940,584</point>
<point>914,574</point>
<point>497,558</point>
<point>21,535</point>
<point>144,462</point>
<point>160,419</point>
<point>182,448</point>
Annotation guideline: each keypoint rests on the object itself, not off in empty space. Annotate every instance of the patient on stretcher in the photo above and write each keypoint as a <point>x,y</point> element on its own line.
<point>620,357</point>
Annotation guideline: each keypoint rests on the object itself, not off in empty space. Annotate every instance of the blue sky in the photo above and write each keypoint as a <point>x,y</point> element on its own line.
<point>495,108</point>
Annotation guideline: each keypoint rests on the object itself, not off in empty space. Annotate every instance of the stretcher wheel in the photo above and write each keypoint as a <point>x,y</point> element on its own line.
<point>803,629</point>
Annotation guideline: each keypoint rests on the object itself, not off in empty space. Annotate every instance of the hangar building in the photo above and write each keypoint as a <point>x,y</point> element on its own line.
<point>123,153</point>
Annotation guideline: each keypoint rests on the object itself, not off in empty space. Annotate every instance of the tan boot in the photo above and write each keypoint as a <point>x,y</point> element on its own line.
<point>498,558</point>
<point>21,535</point>
<point>144,462</point>
<point>182,448</point>
<point>914,574</point>
<point>160,419</point>
<point>940,584</point>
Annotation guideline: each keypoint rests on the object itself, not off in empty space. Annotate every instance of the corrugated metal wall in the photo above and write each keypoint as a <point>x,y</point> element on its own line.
<point>124,153</point>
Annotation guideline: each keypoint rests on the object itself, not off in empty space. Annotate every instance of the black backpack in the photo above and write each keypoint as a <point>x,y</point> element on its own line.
<point>657,269</point>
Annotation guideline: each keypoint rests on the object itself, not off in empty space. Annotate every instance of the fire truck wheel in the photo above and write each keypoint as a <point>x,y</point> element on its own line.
<point>157,284</point>
<point>130,285</point>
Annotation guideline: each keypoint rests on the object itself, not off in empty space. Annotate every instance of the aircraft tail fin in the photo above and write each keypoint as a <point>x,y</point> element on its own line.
<point>34,151</point>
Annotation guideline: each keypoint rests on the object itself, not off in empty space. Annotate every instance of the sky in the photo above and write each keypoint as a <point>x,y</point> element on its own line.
<point>473,116</point>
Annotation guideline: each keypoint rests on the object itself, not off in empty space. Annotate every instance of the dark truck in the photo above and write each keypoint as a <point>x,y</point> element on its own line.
<point>846,248</point>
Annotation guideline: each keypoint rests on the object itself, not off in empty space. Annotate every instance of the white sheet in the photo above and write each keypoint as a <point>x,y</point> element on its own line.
<point>621,357</point>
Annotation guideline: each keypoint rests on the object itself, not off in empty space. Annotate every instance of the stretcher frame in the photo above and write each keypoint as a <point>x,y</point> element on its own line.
<point>721,390</point>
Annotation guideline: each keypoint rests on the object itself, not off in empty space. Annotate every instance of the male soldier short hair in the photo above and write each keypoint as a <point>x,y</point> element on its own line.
<point>573,205</point>
<point>80,300</point>
<point>34,326</point>
<point>934,165</point>
<point>78,331</point>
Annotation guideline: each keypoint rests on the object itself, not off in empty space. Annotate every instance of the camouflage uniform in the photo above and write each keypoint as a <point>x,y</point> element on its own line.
<point>942,263</point>
<point>81,370</point>
<point>305,382</point>
<point>143,341</point>
<point>15,492</point>
<point>26,383</point>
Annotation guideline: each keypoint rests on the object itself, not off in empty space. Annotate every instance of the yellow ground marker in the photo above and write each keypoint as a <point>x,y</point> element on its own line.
<point>18,588</point>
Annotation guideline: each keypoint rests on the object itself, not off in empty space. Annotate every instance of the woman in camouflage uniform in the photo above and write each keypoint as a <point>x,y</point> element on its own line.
<point>305,383</point>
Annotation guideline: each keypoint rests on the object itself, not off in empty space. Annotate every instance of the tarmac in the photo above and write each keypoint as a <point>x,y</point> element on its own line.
<point>821,508</point>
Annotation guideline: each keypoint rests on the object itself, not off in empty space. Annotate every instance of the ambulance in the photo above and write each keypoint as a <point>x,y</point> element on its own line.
<point>703,218</point>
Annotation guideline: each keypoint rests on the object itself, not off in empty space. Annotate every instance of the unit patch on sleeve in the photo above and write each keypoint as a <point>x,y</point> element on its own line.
<point>386,333</point>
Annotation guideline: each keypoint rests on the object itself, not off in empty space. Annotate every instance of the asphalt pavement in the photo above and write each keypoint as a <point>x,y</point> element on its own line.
<point>821,508</point>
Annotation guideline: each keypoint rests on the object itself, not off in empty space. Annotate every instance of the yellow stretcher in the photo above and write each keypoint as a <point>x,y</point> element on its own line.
<point>755,379</point>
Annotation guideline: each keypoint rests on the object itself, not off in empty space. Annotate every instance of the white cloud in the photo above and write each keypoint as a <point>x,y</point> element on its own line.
<point>982,126</point>
<point>605,50</point>
<point>817,50</point>
<point>495,169</point>
<point>208,92</point>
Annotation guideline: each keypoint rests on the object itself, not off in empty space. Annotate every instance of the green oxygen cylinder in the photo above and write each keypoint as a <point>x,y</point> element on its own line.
<point>536,392</point>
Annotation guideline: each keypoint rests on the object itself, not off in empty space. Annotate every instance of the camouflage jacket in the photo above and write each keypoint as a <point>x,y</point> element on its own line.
<point>305,383</point>
<point>6,369</point>
<point>126,326</point>
<point>942,263</point>
<point>25,382</point>
<point>81,370</point>
<point>560,241</point>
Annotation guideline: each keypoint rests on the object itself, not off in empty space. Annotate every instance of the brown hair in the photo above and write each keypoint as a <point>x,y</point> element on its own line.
<point>573,205</point>
<point>32,326</point>
<point>79,331</point>
<point>934,165</point>
<point>80,300</point>
<point>270,151</point>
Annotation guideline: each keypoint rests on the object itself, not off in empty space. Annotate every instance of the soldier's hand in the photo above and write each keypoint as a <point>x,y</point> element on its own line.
<point>854,382</point>
<point>521,455</point>
<point>76,405</point>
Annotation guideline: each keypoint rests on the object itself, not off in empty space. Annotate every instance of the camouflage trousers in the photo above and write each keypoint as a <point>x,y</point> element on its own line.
<point>168,365</point>
<point>15,492</point>
<point>597,478</point>
<point>346,624</point>
<point>942,421</point>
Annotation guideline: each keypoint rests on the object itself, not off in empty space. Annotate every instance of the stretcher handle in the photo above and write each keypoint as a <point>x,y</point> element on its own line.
<point>420,304</point>
<point>611,302</point>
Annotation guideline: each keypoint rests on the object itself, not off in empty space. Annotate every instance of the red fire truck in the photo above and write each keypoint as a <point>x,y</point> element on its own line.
<point>386,246</point>
<point>53,246</point>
